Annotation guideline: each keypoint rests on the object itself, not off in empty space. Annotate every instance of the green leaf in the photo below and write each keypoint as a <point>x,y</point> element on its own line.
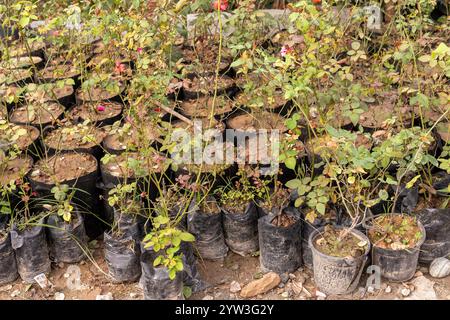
<point>320,208</point>
<point>187,292</point>
<point>23,22</point>
<point>187,237</point>
<point>298,202</point>
<point>293,184</point>
<point>291,163</point>
<point>411,183</point>
<point>425,58</point>
<point>383,194</point>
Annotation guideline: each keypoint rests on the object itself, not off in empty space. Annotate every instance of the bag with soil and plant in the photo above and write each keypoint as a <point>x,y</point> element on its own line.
<point>122,254</point>
<point>280,243</point>
<point>240,216</point>
<point>79,172</point>
<point>339,256</point>
<point>30,245</point>
<point>67,237</point>
<point>396,242</point>
<point>205,223</point>
<point>433,211</point>
<point>8,265</point>
<point>157,282</point>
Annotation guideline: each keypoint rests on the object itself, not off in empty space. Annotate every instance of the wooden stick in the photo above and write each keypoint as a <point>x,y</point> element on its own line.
<point>173,112</point>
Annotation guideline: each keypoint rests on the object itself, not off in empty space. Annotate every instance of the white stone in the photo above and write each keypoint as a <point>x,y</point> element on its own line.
<point>424,289</point>
<point>107,296</point>
<point>59,296</point>
<point>235,287</point>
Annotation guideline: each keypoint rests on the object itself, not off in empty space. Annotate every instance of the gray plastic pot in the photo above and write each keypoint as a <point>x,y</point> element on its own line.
<point>398,265</point>
<point>335,275</point>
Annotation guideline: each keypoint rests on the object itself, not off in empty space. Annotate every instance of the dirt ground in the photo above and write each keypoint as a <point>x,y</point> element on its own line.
<point>219,276</point>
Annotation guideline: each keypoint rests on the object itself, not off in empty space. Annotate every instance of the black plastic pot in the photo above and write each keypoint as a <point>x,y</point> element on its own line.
<point>280,247</point>
<point>128,224</point>
<point>398,265</point>
<point>32,253</point>
<point>191,276</point>
<point>335,275</point>
<point>156,282</point>
<point>67,241</point>
<point>241,230</point>
<point>85,197</point>
<point>437,226</point>
<point>208,232</point>
<point>8,265</point>
<point>122,257</point>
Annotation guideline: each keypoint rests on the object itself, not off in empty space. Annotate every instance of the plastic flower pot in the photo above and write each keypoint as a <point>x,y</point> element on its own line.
<point>398,265</point>
<point>336,275</point>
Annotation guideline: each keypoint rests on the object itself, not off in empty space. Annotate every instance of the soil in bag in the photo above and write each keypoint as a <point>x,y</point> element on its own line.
<point>241,230</point>
<point>67,241</point>
<point>156,282</point>
<point>8,266</point>
<point>437,226</point>
<point>205,223</point>
<point>280,241</point>
<point>31,250</point>
<point>122,257</point>
<point>191,276</point>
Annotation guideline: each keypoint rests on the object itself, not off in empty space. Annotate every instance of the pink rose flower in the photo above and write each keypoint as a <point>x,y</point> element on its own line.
<point>101,108</point>
<point>222,6</point>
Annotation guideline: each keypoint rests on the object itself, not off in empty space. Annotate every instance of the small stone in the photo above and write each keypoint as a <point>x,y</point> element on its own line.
<point>59,296</point>
<point>418,274</point>
<point>424,289</point>
<point>281,285</point>
<point>320,294</point>
<point>235,287</point>
<point>208,297</point>
<point>285,294</point>
<point>133,295</point>
<point>6,288</point>
<point>361,292</point>
<point>370,289</point>
<point>388,289</point>
<point>15,293</point>
<point>284,277</point>
<point>266,283</point>
<point>107,296</point>
<point>405,292</point>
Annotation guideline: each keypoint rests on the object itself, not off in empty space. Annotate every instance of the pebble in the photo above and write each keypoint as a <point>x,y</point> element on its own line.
<point>235,287</point>
<point>284,277</point>
<point>235,267</point>
<point>15,293</point>
<point>405,292</point>
<point>281,285</point>
<point>388,289</point>
<point>133,295</point>
<point>107,296</point>
<point>6,288</point>
<point>371,289</point>
<point>59,296</point>
<point>320,294</point>
<point>285,294</point>
<point>208,297</point>
<point>418,274</point>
